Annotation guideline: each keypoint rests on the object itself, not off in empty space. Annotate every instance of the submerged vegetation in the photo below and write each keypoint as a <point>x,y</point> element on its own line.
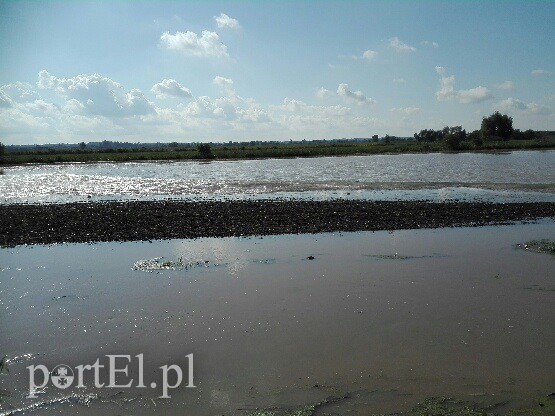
<point>158,263</point>
<point>538,246</point>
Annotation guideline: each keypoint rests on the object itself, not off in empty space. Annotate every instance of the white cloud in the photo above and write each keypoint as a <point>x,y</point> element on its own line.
<point>225,22</point>
<point>406,111</point>
<point>225,85</point>
<point>400,46</point>
<point>539,72</point>
<point>19,92</point>
<point>5,101</point>
<point>204,107</point>
<point>431,43</point>
<point>323,93</point>
<point>369,55</point>
<point>94,107</point>
<point>191,44</point>
<point>170,88</point>
<point>358,96</point>
<point>98,95</point>
<point>448,92</point>
<point>399,80</point>
<point>511,104</point>
<point>474,95</point>
<point>507,85</point>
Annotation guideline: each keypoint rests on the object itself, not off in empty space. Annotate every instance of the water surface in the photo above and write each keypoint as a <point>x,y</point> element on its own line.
<point>390,318</point>
<point>507,176</point>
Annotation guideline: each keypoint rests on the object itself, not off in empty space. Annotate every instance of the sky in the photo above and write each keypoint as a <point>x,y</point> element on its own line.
<point>198,71</point>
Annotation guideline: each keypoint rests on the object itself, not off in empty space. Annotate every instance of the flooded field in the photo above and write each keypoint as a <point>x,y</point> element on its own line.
<point>503,176</point>
<point>362,323</point>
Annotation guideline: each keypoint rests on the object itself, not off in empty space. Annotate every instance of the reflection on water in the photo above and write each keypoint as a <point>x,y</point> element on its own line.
<point>507,176</point>
<point>394,317</point>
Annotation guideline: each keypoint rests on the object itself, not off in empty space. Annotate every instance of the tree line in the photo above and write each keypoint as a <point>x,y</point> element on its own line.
<point>496,127</point>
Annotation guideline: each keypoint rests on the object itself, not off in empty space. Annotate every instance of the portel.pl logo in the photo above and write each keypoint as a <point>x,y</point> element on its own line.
<point>63,376</point>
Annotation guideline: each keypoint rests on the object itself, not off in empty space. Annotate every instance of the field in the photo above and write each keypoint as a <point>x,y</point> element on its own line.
<point>293,149</point>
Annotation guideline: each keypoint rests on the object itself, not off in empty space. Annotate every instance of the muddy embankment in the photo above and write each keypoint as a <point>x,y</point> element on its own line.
<point>149,220</point>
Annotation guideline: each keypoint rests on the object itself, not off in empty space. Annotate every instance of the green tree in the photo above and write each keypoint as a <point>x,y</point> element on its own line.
<point>525,135</point>
<point>497,127</point>
<point>82,145</point>
<point>205,151</point>
<point>476,138</point>
<point>453,137</point>
<point>429,135</point>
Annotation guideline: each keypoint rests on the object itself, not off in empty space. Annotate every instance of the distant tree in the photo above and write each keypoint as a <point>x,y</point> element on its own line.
<point>375,138</point>
<point>387,138</point>
<point>2,152</point>
<point>497,127</point>
<point>475,138</point>
<point>428,135</point>
<point>453,137</point>
<point>525,135</point>
<point>82,145</point>
<point>205,151</point>
<point>173,144</point>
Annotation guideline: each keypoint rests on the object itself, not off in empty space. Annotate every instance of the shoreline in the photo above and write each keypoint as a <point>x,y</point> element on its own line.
<point>223,153</point>
<point>159,220</point>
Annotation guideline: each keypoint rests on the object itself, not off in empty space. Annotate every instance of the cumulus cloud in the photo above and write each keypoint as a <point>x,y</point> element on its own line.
<point>358,96</point>
<point>519,105</point>
<point>539,72</point>
<point>170,88</point>
<point>474,95</point>
<point>448,92</point>
<point>5,101</point>
<point>507,85</point>
<point>94,107</point>
<point>19,92</point>
<point>400,46</point>
<point>225,85</point>
<point>225,22</point>
<point>406,111</point>
<point>323,93</point>
<point>321,121</point>
<point>369,55</point>
<point>98,95</point>
<point>204,107</point>
<point>192,44</point>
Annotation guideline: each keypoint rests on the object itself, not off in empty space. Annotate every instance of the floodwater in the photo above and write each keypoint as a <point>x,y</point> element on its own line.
<point>504,176</point>
<point>377,320</point>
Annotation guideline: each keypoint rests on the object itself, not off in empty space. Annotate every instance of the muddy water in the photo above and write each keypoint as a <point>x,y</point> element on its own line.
<point>380,320</point>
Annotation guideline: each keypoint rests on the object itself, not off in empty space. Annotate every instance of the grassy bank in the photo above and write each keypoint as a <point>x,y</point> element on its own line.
<point>297,149</point>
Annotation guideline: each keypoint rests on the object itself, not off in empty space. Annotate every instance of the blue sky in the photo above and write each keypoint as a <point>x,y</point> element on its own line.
<point>218,71</point>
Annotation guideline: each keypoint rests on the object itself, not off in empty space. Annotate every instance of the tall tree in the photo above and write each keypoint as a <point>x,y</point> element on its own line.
<point>497,127</point>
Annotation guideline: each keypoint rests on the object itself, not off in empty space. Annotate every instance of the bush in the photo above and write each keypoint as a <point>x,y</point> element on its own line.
<point>205,151</point>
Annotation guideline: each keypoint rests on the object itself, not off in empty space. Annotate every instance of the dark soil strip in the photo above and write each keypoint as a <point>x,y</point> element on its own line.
<point>129,221</point>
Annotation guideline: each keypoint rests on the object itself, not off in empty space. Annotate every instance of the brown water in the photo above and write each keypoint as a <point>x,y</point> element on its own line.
<point>390,318</point>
